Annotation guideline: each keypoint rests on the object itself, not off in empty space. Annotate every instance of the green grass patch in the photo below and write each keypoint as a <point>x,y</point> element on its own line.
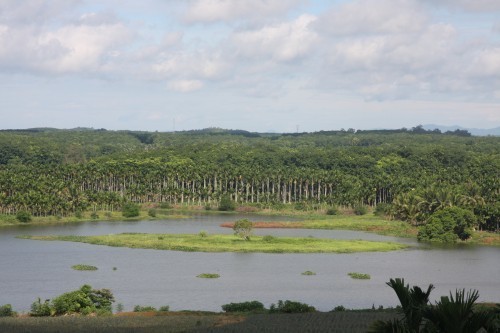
<point>84,268</point>
<point>308,273</point>
<point>208,276</point>
<point>359,276</point>
<point>227,243</point>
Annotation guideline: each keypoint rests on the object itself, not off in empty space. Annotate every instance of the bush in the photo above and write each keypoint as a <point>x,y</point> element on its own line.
<point>23,216</point>
<point>360,210</point>
<point>332,211</point>
<point>268,238</point>
<point>243,228</point>
<point>165,205</point>
<point>382,209</point>
<point>243,307</point>
<point>291,307</point>
<point>208,207</point>
<point>78,214</point>
<point>152,212</point>
<point>6,311</point>
<point>146,308</point>
<point>339,308</point>
<point>39,309</point>
<point>164,308</point>
<point>226,204</point>
<point>308,273</point>
<point>203,234</point>
<point>94,216</point>
<point>130,209</point>
<point>448,226</point>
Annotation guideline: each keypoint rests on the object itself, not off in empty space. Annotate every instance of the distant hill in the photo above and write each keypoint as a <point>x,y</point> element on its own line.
<point>474,131</point>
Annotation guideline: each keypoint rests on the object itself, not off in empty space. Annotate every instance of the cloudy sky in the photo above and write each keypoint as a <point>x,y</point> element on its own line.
<point>257,65</point>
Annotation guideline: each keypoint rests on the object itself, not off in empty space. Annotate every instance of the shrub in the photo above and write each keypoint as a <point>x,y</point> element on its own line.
<point>165,205</point>
<point>6,311</point>
<point>332,211</point>
<point>152,212</point>
<point>382,209</point>
<point>208,207</point>
<point>94,216</point>
<point>360,210</point>
<point>146,308</point>
<point>268,238</point>
<point>448,225</point>
<point>290,307</point>
<point>339,308</point>
<point>130,209</point>
<point>243,228</point>
<point>39,309</point>
<point>164,308</point>
<point>203,234</point>
<point>78,214</point>
<point>243,307</point>
<point>226,204</point>
<point>23,216</point>
<point>119,307</point>
<point>84,301</point>
<point>308,273</point>
<point>359,276</point>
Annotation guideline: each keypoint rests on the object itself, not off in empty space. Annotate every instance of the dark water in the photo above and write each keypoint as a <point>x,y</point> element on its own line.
<point>30,269</point>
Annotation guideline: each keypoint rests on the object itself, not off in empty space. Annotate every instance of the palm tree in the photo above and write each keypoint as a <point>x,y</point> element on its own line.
<point>413,301</point>
<point>457,314</point>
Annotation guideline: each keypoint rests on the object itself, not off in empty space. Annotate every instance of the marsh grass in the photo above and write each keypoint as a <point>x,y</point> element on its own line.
<point>308,273</point>
<point>359,276</point>
<point>228,243</point>
<point>84,268</point>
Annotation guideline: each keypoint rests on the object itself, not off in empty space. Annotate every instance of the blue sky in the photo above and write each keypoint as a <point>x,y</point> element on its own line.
<point>257,65</point>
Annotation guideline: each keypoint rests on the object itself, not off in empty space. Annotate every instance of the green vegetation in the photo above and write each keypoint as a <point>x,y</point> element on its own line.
<point>412,173</point>
<point>359,276</point>
<point>6,311</point>
<point>308,273</point>
<point>227,243</point>
<point>208,276</point>
<point>84,268</point>
<point>251,306</point>
<point>83,301</point>
<point>457,314</point>
<point>23,216</point>
<point>130,210</point>
<point>448,225</point>
<point>147,308</point>
<point>290,307</point>
<point>243,228</point>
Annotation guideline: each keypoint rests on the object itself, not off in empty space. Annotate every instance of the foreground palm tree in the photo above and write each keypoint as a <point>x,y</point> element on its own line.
<point>413,303</point>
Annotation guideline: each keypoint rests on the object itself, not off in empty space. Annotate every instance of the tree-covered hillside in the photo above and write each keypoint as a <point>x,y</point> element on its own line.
<point>413,173</point>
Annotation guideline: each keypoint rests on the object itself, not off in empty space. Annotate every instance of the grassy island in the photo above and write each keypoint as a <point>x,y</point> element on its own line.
<point>228,243</point>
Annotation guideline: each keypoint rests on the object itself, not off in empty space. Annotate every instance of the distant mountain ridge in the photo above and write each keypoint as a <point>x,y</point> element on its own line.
<point>474,131</point>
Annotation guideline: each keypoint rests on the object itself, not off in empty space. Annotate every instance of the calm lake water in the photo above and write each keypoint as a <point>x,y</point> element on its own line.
<point>31,269</point>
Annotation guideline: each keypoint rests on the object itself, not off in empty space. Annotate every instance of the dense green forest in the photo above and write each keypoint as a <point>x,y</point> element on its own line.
<point>410,174</point>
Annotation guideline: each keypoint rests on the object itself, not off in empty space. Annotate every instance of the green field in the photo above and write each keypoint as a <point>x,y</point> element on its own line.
<point>228,243</point>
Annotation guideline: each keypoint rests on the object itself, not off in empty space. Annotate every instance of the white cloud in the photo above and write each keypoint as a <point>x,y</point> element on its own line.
<point>470,5</point>
<point>374,17</point>
<point>227,10</point>
<point>185,85</point>
<point>282,42</point>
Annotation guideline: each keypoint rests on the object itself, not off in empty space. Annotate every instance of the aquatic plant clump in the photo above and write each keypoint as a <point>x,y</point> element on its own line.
<point>308,273</point>
<point>84,268</point>
<point>208,276</point>
<point>359,276</point>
